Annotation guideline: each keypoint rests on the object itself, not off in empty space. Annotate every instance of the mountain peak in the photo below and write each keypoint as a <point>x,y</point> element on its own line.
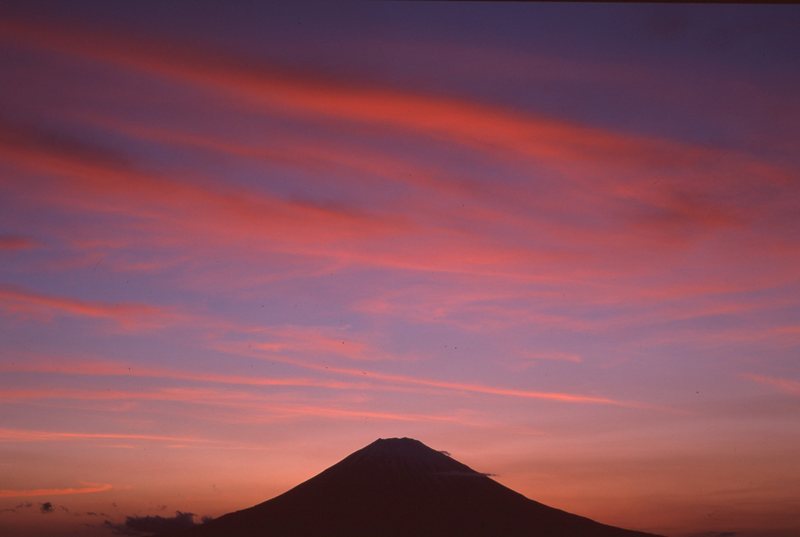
<point>398,441</point>
<point>402,460</point>
<point>395,487</point>
<point>398,447</point>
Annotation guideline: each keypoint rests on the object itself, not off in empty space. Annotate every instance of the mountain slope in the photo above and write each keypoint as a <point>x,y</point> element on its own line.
<point>400,487</point>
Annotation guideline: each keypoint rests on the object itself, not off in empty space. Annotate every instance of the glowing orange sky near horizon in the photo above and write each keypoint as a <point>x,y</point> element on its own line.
<point>240,243</point>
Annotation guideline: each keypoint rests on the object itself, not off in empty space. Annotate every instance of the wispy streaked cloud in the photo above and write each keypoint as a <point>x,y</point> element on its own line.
<point>785,385</point>
<point>24,303</point>
<point>697,202</point>
<point>373,375</point>
<point>451,118</point>
<point>118,369</point>
<point>16,242</point>
<point>23,435</point>
<point>85,488</point>
<point>552,356</point>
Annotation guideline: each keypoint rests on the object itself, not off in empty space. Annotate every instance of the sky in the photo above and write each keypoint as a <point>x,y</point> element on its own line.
<point>239,241</point>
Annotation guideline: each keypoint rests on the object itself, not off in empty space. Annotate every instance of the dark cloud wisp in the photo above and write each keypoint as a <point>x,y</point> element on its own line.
<point>154,524</point>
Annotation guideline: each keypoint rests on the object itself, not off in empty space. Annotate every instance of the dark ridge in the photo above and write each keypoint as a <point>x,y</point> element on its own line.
<point>399,487</point>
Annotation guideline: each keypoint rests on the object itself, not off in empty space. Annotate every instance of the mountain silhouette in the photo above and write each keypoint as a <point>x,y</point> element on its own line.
<point>400,487</point>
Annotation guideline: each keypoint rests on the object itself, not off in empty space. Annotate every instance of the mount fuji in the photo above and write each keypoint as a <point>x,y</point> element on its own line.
<point>400,487</point>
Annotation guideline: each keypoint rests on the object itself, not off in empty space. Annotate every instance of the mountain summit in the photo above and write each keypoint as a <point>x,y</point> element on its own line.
<point>400,487</point>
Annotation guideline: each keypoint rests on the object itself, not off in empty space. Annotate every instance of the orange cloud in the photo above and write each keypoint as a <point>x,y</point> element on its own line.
<point>21,435</point>
<point>201,396</point>
<point>86,488</point>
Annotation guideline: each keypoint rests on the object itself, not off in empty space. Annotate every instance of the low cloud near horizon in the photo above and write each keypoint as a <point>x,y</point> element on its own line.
<point>154,524</point>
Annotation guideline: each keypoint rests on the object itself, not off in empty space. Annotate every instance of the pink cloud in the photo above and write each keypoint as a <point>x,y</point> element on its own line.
<point>317,341</point>
<point>462,387</point>
<point>553,356</point>
<point>249,407</point>
<point>15,242</point>
<point>172,210</point>
<point>696,201</point>
<point>353,413</point>
<point>175,211</point>
<point>785,385</point>
<point>109,368</point>
<point>19,302</point>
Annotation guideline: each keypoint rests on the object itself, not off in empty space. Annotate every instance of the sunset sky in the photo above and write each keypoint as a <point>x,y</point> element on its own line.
<point>559,241</point>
